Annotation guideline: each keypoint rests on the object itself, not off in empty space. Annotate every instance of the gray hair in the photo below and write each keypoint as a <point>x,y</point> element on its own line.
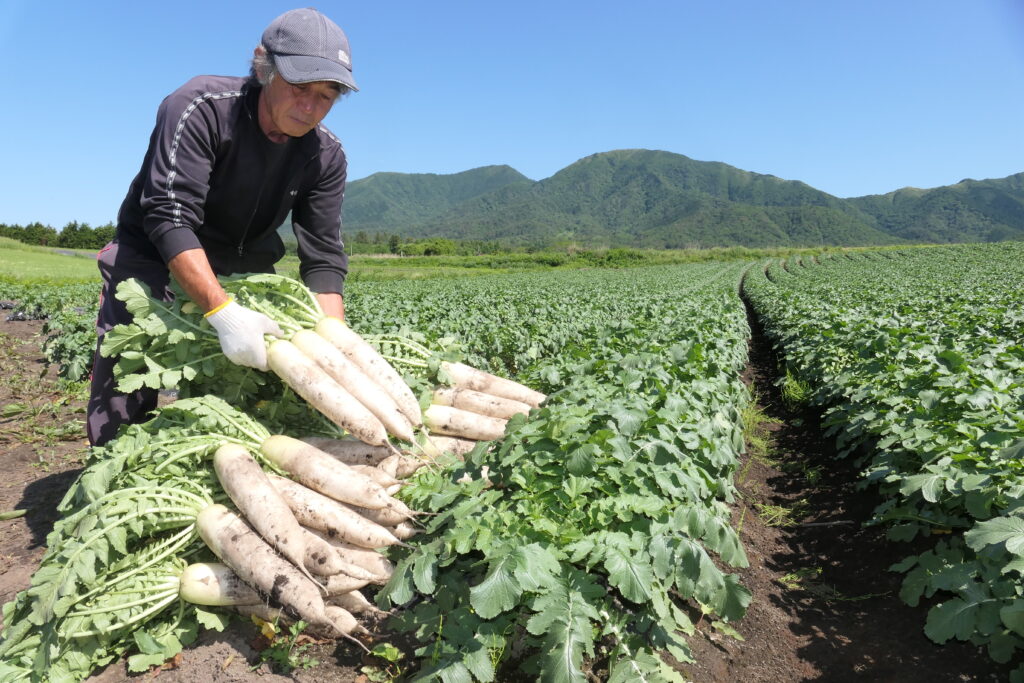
<point>263,71</point>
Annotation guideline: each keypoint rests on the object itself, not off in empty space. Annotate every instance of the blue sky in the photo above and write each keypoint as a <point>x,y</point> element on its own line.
<point>853,97</point>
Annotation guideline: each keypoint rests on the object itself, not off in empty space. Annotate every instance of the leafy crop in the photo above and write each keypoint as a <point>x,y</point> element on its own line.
<point>916,359</point>
<point>599,526</point>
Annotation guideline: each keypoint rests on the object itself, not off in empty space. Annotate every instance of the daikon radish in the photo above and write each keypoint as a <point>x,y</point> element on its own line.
<point>239,546</point>
<point>360,352</point>
<point>343,583</point>
<point>466,377</point>
<point>404,531</point>
<point>400,466</point>
<point>356,603</point>
<point>320,472</point>
<point>453,444</point>
<point>322,559</point>
<point>350,451</point>
<point>378,475</point>
<point>368,559</point>
<point>479,402</point>
<point>346,373</point>
<point>216,585</point>
<point>264,508</point>
<point>309,381</point>
<point>316,511</point>
<point>462,423</point>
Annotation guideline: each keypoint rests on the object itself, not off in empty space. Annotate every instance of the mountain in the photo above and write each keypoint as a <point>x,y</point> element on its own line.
<point>648,198</point>
<point>383,201</point>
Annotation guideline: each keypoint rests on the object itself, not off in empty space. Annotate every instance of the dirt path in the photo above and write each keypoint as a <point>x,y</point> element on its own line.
<point>825,608</point>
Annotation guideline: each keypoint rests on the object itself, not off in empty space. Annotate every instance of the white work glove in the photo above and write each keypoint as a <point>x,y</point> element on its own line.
<point>241,331</point>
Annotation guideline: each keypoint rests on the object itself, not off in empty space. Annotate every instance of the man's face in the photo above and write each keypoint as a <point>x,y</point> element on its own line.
<point>292,110</point>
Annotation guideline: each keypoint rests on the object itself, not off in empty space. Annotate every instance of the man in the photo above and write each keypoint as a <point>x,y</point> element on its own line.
<point>227,160</point>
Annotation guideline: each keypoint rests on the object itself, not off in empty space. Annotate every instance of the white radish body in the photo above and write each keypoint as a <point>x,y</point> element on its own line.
<point>360,352</point>
<point>264,508</point>
<point>346,373</point>
<point>320,472</point>
<point>257,564</point>
<point>466,377</point>
<point>322,559</point>
<point>343,583</point>
<point>309,381</point>
<point>368,559</point>
<point>400,466</point>
<point>319,512</point>
<point>479,402</point>
<point>453,445</point>
<point>216,585</point>
<point>351,451</point>
<point>462,423</point>
<point>343,620</point>
<point>377,474</point>
<point>404,531</point>
<point>356,602</point>
<point>384,516</point>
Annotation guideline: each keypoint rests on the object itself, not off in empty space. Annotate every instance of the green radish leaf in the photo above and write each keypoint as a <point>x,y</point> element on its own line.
<point>499,590</point>
<point>215,621</point>
<point>955,618</point>
<point>424,571</point>
<point>628,572</point>
<point>1012,616</point>
<point>1008,530</point>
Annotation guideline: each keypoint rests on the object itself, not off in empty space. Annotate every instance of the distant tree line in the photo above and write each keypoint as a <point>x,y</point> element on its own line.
<point>362,242</point>
<point>74,235</point>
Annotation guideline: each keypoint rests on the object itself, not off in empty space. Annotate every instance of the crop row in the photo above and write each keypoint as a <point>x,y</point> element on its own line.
<point>916,359</point>
<point>598,527</point>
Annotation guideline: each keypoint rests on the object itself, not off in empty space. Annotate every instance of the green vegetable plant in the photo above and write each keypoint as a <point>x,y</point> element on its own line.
<point>287,651</point>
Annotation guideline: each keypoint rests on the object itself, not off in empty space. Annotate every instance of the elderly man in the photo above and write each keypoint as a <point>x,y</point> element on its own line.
<point>227,160</point>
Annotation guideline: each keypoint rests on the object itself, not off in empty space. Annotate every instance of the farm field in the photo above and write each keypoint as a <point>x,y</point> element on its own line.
<point>650,486</point>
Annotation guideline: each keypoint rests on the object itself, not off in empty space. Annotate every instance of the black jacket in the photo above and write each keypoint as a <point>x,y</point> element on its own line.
<point>211,178</point>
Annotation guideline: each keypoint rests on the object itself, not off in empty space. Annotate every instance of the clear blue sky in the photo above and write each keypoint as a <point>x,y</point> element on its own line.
<point>852,97</point>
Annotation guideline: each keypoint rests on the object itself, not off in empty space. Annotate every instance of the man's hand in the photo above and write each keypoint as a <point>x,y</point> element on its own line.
<point>241,331</point>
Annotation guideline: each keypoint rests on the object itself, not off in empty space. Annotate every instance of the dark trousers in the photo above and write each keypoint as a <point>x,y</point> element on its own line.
<point>108,408</point>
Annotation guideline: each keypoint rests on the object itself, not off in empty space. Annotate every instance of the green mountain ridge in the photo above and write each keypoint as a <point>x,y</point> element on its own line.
<point>657,199</point>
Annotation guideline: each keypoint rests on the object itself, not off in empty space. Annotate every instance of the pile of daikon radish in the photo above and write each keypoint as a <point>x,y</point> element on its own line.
<point>308,543</point>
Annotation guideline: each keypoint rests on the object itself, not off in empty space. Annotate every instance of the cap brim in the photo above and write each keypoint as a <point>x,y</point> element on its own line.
<point>306,69</point>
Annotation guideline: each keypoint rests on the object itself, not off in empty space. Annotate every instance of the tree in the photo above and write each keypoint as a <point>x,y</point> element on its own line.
<point>394,244</point>
<point>37,233</point>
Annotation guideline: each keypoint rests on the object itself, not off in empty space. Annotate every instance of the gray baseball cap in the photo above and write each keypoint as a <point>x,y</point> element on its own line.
<point>307,46</point>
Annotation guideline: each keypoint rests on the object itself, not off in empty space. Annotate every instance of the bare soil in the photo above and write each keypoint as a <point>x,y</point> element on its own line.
<point>825,608</point>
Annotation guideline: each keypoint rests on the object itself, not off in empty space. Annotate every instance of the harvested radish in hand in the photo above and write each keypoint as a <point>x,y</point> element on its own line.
<point>309,381</point>
<point>373,364</point>
<point>346,373</point>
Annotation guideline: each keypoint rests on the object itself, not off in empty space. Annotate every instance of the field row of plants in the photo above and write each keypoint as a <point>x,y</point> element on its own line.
<point>598,529</point>
<point>916,358</point>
